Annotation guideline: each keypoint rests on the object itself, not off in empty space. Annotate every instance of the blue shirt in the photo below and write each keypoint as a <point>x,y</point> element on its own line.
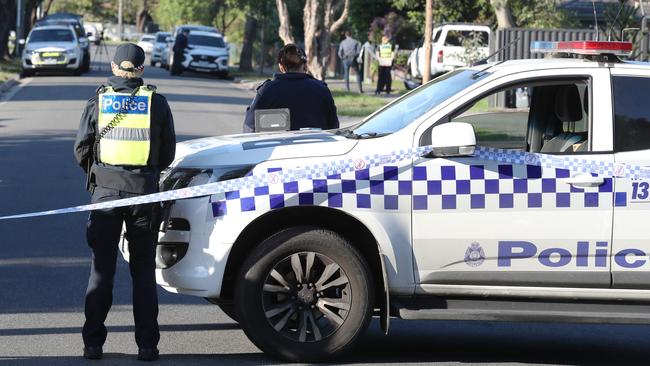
<point>309,101</point>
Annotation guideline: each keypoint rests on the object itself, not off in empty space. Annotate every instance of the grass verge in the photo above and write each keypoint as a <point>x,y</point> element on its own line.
<point>355,104</point>
<point>8,69</point>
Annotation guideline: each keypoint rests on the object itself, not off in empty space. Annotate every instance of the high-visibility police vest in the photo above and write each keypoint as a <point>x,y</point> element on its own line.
<point>386,50</point>
<point>129,141</point>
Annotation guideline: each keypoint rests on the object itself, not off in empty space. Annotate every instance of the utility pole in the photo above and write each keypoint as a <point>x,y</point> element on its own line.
<point>428,30</point>
<point>20,26</point>
<point>120,26</point>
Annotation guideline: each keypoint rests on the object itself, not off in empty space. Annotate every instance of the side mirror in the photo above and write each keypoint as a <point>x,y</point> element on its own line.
<point>453,139</point>
<point>21,41</point>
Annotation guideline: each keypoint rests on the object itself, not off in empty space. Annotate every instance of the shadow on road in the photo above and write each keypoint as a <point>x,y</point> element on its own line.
<point>165,359</point>
<point>119,329</point>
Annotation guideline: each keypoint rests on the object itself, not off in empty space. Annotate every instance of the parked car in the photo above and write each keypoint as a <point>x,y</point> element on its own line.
<point>207,52</point>
<point>160,51</point>
<point>76,22</point>
<point>147,42</point>
<point>52,47</point>
<point>441,205</point>
<point>178,30</point>
<point>450,49</point>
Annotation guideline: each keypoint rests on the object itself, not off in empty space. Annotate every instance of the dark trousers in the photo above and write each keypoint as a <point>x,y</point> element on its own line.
<point>177,65</point>
<point>103,234</point>
<point>384,78</point>
<point>347,64</point>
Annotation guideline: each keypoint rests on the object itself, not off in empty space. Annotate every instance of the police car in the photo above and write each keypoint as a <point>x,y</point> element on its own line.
<point>456,201</point>
<point>52,47</point>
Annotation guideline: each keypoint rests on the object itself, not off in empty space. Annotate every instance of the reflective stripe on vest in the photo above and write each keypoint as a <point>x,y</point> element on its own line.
<point>385,50</point>
<point>129,142</point>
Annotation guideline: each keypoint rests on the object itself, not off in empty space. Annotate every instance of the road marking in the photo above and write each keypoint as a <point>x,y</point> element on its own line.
<point>6,97</point>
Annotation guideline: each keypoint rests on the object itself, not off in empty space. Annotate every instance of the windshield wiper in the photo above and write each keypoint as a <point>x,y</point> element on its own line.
<point>366,135</point>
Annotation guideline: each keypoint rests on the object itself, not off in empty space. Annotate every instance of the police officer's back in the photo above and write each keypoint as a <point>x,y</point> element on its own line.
<point>309,100</point>
<point>125,138</point>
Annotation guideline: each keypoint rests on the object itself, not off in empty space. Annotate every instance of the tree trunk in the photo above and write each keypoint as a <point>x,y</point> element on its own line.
<point>503,13</point>
<point>7,23</point>
<point>246,55</point>
<point>141,17</point>
<point>311,26</point>
<point>284,31</point>
<point>318,35</point>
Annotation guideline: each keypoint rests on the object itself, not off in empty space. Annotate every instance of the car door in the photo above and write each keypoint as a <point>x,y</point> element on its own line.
<point>512,222</point>
<point>631,241</point>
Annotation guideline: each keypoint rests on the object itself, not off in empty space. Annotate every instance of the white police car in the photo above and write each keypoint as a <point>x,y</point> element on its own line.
<point>459,200</point>
<point>52,47</point>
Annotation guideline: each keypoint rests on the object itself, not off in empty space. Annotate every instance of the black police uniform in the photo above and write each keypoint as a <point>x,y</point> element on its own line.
<point>180,44</point>
<point>104,226</point>
<point>309,100</point>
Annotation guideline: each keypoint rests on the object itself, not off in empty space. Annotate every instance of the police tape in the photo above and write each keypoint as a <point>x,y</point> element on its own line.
<point>601,168</point>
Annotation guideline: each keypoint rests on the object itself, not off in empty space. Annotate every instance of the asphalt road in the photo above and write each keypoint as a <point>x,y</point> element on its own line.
<point>44,262</point>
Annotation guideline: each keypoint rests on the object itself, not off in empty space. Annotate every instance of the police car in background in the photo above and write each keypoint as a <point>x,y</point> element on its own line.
<point>52,47</point>
<point>437,206</point>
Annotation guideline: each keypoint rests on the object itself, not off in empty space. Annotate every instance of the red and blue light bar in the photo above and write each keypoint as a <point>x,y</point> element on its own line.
<point>583,47</point>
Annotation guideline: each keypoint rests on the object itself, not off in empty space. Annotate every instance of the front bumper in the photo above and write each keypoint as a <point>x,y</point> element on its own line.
<point>206,64</point>
<point>51,60</point>
<point>199,270</point>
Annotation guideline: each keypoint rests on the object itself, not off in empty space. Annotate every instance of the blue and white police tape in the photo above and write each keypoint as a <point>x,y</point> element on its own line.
<point>581,165</point>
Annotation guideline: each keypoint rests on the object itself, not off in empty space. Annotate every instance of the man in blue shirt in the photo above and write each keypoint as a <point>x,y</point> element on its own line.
<point>309,100</point>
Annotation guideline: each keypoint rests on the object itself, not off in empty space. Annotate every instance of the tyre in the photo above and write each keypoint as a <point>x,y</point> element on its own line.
<point>26,74</point>
<point>304,295</point>
<point>152,64</point>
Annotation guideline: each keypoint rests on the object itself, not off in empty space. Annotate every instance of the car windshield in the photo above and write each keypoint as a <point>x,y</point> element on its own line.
<point>416,103</point>
<point>161,37</point>
<point>207,41</point>
<point>51,35</point>
<point>146,39</point>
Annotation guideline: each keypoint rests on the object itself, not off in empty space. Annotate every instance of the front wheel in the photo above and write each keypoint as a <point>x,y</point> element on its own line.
<point>304,294</point>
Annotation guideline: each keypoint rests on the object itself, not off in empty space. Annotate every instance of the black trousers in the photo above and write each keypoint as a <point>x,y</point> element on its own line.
<point>177,66</point>
<point>384,78</point>
<point>103,234</point>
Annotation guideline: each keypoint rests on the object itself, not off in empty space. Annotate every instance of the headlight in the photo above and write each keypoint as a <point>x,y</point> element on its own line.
<point>177,178</point>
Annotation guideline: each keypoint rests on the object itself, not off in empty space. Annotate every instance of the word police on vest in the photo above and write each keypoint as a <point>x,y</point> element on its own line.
<point>115,103</point>
<point>585,255</point>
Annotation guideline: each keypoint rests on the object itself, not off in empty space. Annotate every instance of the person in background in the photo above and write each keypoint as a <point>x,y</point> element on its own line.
<point>180,44</point>
<point>385,55</point>
<point>309,100</point>
<point>349,50</point>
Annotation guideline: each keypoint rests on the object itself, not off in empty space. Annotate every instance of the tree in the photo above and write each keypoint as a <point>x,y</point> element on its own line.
<point>503,13</point>
<point>142,17</point>
<point>7,23</point>
<point>319,22</point>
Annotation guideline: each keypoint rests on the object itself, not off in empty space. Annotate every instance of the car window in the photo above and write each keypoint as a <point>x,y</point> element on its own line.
<point>631,113</point>
<point>456,38</point>
<point>544,116</point>
<point>418,102</point>
<point>51,35</point>
<point>207,41</point>
<point>436,36</point>
<point>161,37</point>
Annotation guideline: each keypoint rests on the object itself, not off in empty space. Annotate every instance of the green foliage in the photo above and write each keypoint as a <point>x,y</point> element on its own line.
<point>472,45</point>
<point>613,27</point>
<point>171,13</point>
<point>97,10</point>
<point>540,14</point>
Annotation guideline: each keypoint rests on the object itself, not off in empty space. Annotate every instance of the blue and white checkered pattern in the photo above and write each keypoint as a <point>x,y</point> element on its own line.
<point>330,170</point>
<point>450,187</point>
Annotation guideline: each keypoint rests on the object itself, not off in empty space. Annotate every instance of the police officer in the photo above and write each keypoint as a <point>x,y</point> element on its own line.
<point>180,44</point>
<point>125,138</point>
<point>385,55</point>
<point>309,100</point>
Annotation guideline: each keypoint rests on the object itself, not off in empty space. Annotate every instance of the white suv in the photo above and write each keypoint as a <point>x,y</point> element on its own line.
<point>52,47</point>
<point>450,49</point>
<point>449,203</point>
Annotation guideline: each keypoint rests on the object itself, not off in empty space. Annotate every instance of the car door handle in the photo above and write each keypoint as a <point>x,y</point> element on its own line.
<point>585,180</point>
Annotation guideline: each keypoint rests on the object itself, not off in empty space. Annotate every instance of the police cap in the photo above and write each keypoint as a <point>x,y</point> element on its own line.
<point>129,57</point>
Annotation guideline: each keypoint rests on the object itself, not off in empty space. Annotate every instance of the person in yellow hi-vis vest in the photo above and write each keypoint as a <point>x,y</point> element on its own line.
<point>126,138</point>
<point>384,53</point>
